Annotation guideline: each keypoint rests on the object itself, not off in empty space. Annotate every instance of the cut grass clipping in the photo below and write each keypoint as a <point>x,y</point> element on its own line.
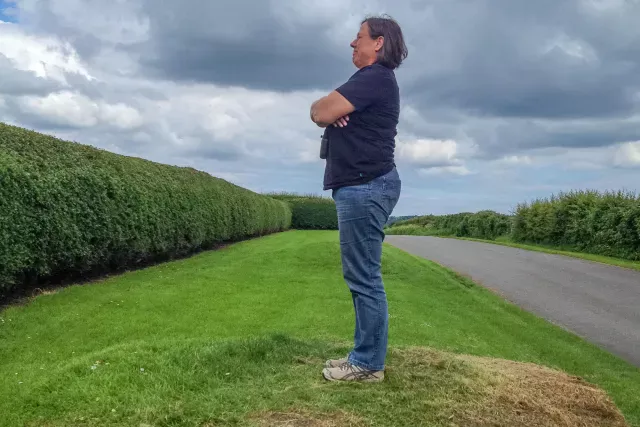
<point>238,337</point>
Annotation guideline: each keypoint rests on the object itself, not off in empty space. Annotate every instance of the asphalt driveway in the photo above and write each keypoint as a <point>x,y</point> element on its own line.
<point>601,303</point>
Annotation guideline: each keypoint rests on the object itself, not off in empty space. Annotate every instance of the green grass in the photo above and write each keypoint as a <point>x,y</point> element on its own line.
<point>244,329</point>
<point>414,230</point>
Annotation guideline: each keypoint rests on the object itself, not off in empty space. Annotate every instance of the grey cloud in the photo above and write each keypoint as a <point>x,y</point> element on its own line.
<point>518,136</point>
<point>19,82</point>
<point>497,137</point>
<point>486,71</point>
<point>488,57</point>
<point>241,43</point>
<point>115,90</point>
<point>203,145</point>
<point>499,60</point>
<point>250,43</point>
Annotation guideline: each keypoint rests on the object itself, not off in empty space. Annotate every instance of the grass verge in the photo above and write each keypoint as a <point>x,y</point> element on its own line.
<point>238,337</point>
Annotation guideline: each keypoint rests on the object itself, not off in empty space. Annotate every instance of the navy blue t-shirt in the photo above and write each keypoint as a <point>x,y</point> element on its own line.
<point>364,149</point>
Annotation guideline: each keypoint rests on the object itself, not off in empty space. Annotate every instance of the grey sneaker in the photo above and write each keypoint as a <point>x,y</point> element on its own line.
<point>335,363</point>
<point>349,372</point>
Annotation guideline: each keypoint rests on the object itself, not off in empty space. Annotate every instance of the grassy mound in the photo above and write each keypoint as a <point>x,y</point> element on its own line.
<point>516,394</point>
<point>67,210</point>
<point>231,337</point>
<point>276,381</point>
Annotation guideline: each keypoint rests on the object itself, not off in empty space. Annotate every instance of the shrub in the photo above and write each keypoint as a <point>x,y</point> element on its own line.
<point>415,230</point>
<point>589,221</point>
<point>480,225</point>
<point>423,221</point>
<point>68,209</point>
<point>310,212</point>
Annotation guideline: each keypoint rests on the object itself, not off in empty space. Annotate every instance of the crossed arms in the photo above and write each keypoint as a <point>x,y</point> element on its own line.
<point>331,109</point>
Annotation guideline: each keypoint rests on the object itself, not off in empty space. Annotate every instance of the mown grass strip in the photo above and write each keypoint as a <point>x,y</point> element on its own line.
<point>187,342</point>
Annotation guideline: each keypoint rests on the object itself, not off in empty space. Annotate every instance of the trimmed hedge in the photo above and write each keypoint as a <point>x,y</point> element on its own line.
<point>480,225</point>
<point>585,221</point>
<point>69,209</point>
<point>311,212</point>
<point>589,221</point>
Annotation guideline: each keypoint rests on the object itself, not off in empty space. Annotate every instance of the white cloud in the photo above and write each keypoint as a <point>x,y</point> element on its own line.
<point>64,108</point>
<point>201,120</point>
<point>604,5</point>
<point>516,160</point>
<point>627,155</point>
<point>429,152</point>
<point>259,124</point>
<point>73,109</point>
<point>120,115</point>
<point>444,170</point>
<point>575,48</point>
<point>46,57</point>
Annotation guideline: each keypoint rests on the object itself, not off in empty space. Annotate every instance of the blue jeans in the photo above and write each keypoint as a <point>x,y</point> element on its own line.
<point>363,210</point>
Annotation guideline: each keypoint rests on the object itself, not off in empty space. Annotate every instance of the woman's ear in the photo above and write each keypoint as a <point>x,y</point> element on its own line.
<point>379,43</point>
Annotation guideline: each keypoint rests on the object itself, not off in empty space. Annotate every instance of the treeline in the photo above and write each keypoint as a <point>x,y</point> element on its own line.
<point>603,223</point>
<point>68,210</point>
<point>480,225</point>
<point>393,219</point>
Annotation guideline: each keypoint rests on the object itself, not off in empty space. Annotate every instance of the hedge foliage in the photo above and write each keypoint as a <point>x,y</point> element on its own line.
<point>67,209</point>
<point>310,212</point>
<point>481,225</point>
<point>601,223</point>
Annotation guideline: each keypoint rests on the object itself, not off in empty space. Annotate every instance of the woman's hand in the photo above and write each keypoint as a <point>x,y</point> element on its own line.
<point>331,109</point>
<point>341,122</point>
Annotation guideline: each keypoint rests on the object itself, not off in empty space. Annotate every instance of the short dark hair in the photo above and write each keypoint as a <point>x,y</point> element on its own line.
<point>394,50</point>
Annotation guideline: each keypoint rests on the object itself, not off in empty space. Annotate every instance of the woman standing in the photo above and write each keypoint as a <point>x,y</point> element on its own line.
<point>360,118</point>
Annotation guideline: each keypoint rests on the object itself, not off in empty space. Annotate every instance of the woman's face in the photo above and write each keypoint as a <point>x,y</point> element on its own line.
<point>365,49</point>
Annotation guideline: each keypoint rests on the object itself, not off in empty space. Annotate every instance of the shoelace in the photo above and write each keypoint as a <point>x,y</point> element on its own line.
<point>357,371</point>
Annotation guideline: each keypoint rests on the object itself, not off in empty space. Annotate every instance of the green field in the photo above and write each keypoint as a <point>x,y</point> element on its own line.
<point>239,335</point>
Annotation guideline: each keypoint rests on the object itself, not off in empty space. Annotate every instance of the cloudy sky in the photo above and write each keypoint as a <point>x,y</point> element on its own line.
<point>502,100</point>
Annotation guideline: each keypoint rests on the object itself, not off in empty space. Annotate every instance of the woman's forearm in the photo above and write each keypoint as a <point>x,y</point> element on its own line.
<point>314,114</point>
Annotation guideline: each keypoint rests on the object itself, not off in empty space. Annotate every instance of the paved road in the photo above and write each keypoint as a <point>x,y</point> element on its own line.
<point>598,302</point>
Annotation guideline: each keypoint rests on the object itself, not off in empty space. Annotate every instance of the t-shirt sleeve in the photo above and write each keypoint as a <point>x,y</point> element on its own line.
<point>363,89</point>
